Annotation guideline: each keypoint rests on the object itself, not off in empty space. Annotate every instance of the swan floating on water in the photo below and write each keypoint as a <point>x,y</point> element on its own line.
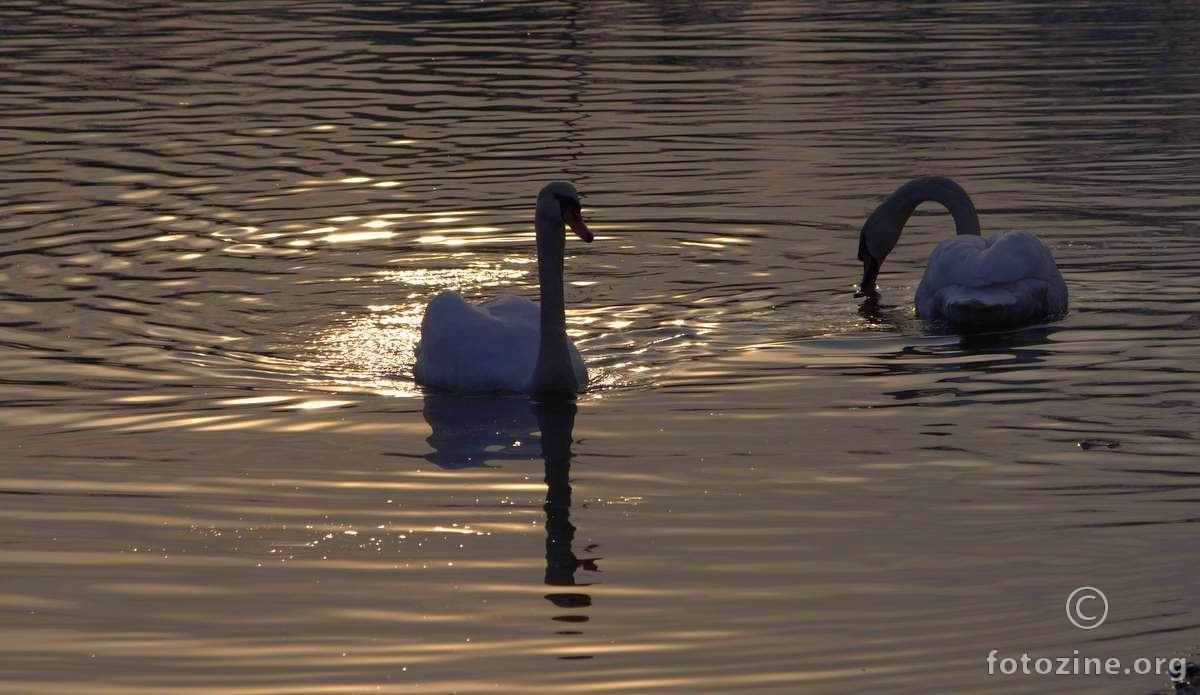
<point>508,343</point>
<point>971,282</point>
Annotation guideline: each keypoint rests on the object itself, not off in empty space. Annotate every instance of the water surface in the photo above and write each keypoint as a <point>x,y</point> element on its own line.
<point>220,224</point>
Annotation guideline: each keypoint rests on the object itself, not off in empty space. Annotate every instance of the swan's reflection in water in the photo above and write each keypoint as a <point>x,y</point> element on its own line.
<point>478,431</point>
<point>556,420</point>
<point>901,318</point>
<point>880,316</point>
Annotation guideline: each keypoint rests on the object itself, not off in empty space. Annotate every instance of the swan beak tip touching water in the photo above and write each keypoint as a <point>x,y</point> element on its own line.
<point>866,286</point>
<point>971,282</point>
<point>510,344</point>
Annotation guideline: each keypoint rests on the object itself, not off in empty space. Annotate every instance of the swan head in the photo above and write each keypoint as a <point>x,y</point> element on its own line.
<point>558,205</point>
<point>879,235</point>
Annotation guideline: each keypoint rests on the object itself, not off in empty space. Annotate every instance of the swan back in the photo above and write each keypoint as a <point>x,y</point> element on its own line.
<point>487,347</point>
<point>993,282</point>
<point>478,348</point>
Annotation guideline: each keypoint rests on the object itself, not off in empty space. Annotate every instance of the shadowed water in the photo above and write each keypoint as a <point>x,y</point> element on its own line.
<point>219,225</point>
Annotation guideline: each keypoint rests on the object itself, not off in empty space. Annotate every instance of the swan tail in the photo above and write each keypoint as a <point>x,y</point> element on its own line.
<point>997,282</point>
<point>991,308</point>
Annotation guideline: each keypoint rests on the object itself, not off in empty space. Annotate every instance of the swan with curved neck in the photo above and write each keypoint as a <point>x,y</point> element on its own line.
<point>509,343</point>
<point>971,282</point>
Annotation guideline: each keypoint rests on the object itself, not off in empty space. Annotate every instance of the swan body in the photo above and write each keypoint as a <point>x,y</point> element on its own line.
<point>1002,280</point>
<point>475,348</point>
<point>971,282</point>
<point>510,344</point>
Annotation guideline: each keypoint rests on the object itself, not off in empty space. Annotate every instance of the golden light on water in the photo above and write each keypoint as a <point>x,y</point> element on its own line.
<point>353,237</point>
<point>369,348</point>
<point>376,348</point>
<point>320,405</point>
<point>473,276</point>
<point>373,350</point>
<point>255,400</point>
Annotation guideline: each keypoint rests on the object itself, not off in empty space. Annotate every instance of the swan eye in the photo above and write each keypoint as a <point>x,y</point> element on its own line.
<point>569,205</point>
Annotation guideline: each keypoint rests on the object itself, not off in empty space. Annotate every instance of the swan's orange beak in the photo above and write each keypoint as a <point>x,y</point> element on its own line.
<point>574,220</point>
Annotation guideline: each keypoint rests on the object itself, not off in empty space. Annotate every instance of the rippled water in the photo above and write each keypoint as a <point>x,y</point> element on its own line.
<point>220,224</point>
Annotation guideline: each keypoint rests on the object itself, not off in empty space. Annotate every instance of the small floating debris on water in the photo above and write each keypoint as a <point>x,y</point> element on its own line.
<point>1089,444</point>
<point>1186,681</point>
<point>1190,323</point>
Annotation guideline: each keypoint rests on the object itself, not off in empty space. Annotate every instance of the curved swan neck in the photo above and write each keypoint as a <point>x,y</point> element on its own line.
<point>882,229</point>
<point>938,189</point>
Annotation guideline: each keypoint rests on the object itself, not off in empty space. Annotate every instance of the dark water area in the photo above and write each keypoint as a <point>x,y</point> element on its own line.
<point>220,224</point>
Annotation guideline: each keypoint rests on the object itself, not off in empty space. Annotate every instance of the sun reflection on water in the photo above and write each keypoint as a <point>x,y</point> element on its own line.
<point>374,351</point>
<point>375,348</point>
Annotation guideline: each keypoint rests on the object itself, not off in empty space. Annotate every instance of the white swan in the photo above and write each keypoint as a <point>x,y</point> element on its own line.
<point>508,343</point>
<point>971,282</point>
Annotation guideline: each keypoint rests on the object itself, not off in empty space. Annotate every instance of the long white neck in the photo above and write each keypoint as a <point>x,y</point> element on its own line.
<point>553,371</point>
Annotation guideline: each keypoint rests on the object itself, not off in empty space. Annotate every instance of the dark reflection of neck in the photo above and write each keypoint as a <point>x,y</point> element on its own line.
<point>880,315</point>
<point>869,309</point>
<point>556,420</point>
